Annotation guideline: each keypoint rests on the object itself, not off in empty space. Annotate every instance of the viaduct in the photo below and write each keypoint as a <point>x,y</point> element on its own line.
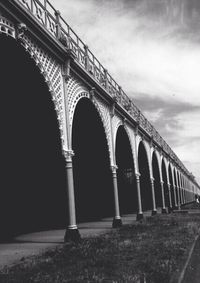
<point>74,146</point>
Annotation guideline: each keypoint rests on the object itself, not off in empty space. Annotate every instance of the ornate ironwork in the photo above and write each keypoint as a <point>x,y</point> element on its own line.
<point>48,17</point>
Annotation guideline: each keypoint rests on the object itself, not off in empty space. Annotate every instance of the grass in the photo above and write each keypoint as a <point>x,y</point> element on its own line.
<point>151,251</point>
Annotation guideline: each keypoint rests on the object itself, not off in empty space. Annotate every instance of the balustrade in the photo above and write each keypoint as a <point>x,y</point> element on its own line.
<point>53,22</point>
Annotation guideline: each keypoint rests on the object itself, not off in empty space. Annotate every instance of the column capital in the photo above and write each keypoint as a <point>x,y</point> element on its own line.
<point>92,93</point>
<point>152,179</point>
<point>162,182</point>
<point>137,176</point>
<point>113,168</point>
<point>68,154</point>
<point>21,29</point>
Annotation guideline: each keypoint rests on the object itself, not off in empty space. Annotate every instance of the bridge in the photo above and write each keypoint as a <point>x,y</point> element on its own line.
<point>75,147</point>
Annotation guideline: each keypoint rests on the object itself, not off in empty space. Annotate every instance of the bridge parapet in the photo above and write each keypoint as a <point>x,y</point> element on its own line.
<point>51,20</point>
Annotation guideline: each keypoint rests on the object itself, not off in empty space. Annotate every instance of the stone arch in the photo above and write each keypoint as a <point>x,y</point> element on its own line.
<point>165,179</point>
<point>120,123</point>
<point>48,66</point>
<point>156,152</point>
<point>147,149</point>
<point>76,92</point>
<point>145,176</point>
<point>163,158</point>
<point>172,186</point>
<point>91,163</point>
<point>156,173</point>
<point>176,184</point>
<point>116,126</point>
<point>52,74</point>
<point>27,106</point>
<point>125,171</point>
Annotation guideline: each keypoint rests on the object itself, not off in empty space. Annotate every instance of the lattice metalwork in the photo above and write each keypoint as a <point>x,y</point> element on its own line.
<point>7,27</point>
<point>51,71</point>
<point>51,20</point>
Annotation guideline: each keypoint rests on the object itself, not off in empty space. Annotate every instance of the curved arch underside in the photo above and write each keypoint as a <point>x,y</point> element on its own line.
<point>125,173</point>
<point>176,185</point>
<point>145,185</point>
<point>165,184</point>
<point>157,184</point>
<point>172,188</point>
<point>91,165</point>
<point>32,194</point>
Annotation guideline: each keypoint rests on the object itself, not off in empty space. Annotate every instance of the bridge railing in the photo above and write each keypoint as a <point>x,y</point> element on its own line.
<point>53,22</point>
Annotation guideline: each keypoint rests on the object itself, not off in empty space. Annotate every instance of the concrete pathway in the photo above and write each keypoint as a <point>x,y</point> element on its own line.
<point>36,243</point>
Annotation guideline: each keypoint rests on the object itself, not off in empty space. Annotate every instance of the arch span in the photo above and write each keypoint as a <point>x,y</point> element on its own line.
<point>165,183</point>
<point>176,187</point>
<point>91,164</point>
<point>33,184</point>
<point>156,176</point>
<point>125,173</point>
<point>145,184</point>
<point>172,191</point>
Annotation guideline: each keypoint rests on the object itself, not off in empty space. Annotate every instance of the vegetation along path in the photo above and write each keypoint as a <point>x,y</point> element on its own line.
<point>154,250</point>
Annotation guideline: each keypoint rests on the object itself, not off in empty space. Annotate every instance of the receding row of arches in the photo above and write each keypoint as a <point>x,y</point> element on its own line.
<point>33,187</point>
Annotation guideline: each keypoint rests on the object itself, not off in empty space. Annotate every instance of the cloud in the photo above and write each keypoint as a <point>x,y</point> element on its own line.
<point>176,120</point>
<point>149,47</point>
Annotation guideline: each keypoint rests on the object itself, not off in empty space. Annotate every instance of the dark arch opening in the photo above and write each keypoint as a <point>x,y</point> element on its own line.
<point>172,187</point>
<point>32,194</point>
<point>176,184</point>
<point>165,184</point>
<point>157,184</point>
<point>91,165</point>
<point>179,186</point>
<point>145,184</point>
<point>125,173</point>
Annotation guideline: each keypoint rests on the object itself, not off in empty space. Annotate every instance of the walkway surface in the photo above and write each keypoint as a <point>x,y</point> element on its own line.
<point>36,243</point>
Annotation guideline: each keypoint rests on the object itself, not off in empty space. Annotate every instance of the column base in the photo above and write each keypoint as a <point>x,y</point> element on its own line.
<point>117,222</point>
<point>72,235</point>
<point>154,212</point>
<point>164,211</point>
<point>139,216</point>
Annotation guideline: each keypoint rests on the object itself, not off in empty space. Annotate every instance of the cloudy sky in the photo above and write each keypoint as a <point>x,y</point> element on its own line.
<point>151,48</point>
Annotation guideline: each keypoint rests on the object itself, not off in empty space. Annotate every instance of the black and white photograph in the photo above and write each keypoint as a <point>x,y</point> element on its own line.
<point>100,141</point>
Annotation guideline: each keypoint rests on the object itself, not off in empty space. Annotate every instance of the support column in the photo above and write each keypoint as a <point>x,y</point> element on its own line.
<point>175,200</point>
<point>72,233</point>
<point>185,196</point>
<point>164,210</point>
<point>154,210</point>
<point>179,204</point>
<point>170,198</point>
<point>180,194</point>
<point>117,222</point>
<point>139,213</point>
